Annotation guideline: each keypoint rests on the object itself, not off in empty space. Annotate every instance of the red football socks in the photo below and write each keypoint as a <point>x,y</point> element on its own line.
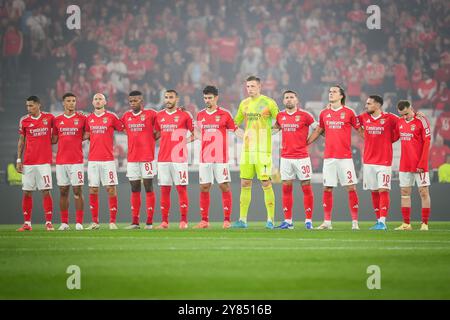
<point>204,205</point>
<point>287,201</point>
<point>112,209</point>
<point>135,206</point>
<point>406,213</point>
<point>165,203</point>
<point>327,204</point>
<point>376,203</point>
<point>27,207</point>
<point>353,204</point>
<point>48,207</point>
<point>93,204</point>
<point>184,202</point>
<point>384,203</point>
<point>227,205</point>
<point>308,201</point>
<point>425,215</point>
<point>150,202</point>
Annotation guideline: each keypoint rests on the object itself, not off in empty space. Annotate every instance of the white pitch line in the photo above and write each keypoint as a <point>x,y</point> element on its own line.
<point>218,249</point>
<point>225,238</point>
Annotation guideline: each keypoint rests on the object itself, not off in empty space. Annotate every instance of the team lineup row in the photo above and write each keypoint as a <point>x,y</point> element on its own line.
<point>175,128</point>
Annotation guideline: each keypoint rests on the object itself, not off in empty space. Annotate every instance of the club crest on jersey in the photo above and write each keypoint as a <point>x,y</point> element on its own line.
<point>297,118</point>
<point>105,120</point>
<point>217,118</point>
<point>142,117</point>
<point>176,118</point>
<point>76,121</point>
<point>45,122</point>
<point>382,121</point>
<point>342,115</point>
<point>413,127</point>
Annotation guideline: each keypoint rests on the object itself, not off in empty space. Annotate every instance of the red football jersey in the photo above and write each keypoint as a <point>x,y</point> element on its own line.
<point>38,138</point>
<point>214,134</point>
<point>139,129</point>
<point>379,134</point>
<point>413,135</point>
<point>338,125</point>
<point>294,133</point>
<point>173,127</point>
<point>70,138</point>
<point>101,128</point>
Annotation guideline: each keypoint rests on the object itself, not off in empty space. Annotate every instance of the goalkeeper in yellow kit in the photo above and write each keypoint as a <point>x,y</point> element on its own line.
<point>258,111</point>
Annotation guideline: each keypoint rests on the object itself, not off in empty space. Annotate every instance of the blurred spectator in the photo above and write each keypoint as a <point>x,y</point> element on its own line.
<point>82,90</point>
<point>442,127</point>
<point>442,74</point>
<point>426,89</point>
<point>38,24</point>
<point>401,77</point>
<point>374,75</point>
<point>442,98</point>
<point>444,171</point>
<point>13,177</point>
<point>12,48</point>
<point>438,153</point>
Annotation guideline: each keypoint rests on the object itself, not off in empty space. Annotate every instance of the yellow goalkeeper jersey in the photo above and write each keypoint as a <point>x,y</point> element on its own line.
<point>258,114</point>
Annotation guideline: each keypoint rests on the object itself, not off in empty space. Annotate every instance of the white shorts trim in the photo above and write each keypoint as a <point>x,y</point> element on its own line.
<point>407,179</point>
<point>376,177</point>
<point>208,171</point>
<point>342,170</point>
<point>173,173</point>
<point>102,171</point>
<point>37,177</point>
<point>292,168</point>
<point>70,174</point>
<point>141,170</point>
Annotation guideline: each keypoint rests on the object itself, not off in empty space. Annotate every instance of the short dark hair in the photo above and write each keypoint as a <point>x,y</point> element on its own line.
<point>211,90</point>
<point>342,91</point>
<point>172,91</point>
<point>290,91</point>
<point>135,93</point>
<point>68,94</point>
<point>403,104</point>
<point>34,99</point>
<point>253,78</point>
<point>377,99</point>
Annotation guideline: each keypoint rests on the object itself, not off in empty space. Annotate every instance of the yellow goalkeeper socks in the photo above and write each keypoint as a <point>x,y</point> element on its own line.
<point>246,198</point>
<point>269,199</point>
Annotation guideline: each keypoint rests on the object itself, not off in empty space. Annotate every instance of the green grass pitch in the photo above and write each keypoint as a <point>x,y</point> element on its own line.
<point>226,264</point>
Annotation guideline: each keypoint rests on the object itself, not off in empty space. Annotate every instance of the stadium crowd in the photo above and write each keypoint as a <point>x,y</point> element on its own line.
<point>303,45</point>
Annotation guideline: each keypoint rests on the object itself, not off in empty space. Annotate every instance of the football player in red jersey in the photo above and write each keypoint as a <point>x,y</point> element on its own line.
<point>337,121</point>
<point>379,130</point>
<point>294,124</point>
<point>35,142</point>
<point>415,137</point>
<point>100,126</point>
<point>213,122</point>
<point>68,133</point>
<point>172,126</point>
<point>139,126</point>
